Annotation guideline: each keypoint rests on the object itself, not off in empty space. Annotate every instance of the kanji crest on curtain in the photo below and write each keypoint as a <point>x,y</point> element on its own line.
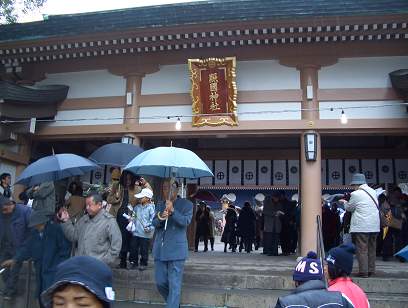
<point>213,91</point>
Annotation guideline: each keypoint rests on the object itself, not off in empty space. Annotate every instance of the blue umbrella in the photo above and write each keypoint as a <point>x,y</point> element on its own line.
<point>403,253</point>
<point>55,167</point>
<point>116,154</point>
<point>169,162</point>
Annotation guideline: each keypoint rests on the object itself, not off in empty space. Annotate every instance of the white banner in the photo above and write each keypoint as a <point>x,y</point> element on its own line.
<point>401,170</point>
<point>249,172</point>
<point>351,166</point>
<point>369,169</point>
<point>264,172</point>
<point>207,180</point>
<point>385,171</point>
<point>324,178</point>
<point>279,172</point>
<point>220,172</point>
<point>335,174</point>
<point>234,172</point>
<point>293,168</point>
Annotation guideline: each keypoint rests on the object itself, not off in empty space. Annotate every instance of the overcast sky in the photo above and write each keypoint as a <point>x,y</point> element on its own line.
<point>56,7</point>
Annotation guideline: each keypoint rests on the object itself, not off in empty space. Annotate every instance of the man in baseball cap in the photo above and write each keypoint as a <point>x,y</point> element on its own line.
<point>81,281</point>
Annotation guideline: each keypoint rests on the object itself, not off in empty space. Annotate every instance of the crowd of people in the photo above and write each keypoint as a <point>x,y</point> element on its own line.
<point>116,223</point>
<point>126,219</point>
<point>271,221</point>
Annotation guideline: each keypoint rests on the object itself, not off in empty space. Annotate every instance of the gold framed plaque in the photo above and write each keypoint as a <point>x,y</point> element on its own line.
<point>213,91</point>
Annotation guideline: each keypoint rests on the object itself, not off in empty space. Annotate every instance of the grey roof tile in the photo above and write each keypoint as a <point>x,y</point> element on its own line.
<point>203,12</point>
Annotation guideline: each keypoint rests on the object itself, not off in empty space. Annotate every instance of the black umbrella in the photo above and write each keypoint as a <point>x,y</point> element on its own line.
<point>116,154</point>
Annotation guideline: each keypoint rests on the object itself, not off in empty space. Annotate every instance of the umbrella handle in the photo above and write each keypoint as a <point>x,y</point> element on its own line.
<point>172,180</point>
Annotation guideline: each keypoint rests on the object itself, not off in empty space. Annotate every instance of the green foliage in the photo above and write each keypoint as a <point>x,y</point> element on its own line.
<point>9,9</point>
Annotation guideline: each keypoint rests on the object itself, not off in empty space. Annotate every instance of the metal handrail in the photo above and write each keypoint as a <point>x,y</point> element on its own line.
<point>320,247</point>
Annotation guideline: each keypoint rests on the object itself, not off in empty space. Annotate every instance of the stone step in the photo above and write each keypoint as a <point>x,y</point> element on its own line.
<point>199,296</point>
<point>246,279</point>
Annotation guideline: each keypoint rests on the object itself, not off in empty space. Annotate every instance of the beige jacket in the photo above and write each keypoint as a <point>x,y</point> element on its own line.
<point>97,237</point>
<point>364,217</point>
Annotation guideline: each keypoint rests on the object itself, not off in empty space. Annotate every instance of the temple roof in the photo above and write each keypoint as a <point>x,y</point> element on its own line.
<point>191,13</point>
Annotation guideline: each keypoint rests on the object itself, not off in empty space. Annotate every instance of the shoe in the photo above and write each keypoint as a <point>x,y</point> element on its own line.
<point>134,266</point>
<point>362,275</point>
<point>142,268</point>
<point>212,248</point>
<point>205,249</point>
<point>7,296</point>
<point>371,274</point>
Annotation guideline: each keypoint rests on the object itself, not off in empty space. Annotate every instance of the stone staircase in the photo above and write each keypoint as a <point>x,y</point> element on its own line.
<point>217,279</point>
<point>248,280</point>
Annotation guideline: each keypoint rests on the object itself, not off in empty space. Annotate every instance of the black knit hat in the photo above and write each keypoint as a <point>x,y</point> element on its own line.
<point>342,257</point>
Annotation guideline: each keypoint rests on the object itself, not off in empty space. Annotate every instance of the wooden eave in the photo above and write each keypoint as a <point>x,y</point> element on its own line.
<point>151,41</point>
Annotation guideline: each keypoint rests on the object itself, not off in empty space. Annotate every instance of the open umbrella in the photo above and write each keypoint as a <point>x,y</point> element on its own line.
<point>55,167</point>
<point>115,154</point>
<point>169,162</point>
<point>403,253</point>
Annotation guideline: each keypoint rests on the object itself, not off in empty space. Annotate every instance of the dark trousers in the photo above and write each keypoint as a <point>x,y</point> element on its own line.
<point>197,241</point>
<point>126,239</point>
<point>247,243</point>
<point>270,243</point>
<point>10,275</point>
<point>212,240</point>
<point>139,246</point>
<point>365,251</point>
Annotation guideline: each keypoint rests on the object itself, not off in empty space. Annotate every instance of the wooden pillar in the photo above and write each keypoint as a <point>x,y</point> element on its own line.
<point>133,94</point>
<point>25,153</point>
<point>310,183</point>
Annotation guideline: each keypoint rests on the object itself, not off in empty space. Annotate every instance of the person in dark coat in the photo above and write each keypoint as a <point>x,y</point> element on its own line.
<point>202,218</point>
<point>126,195</point>
<point>14,231</point>
<point>330,226</point>
<point>259,199</point>
<point>229,235</point>
<point>246,226</point>
<point>46,246</point>
<point>272,212</point>
<point>310,289</point>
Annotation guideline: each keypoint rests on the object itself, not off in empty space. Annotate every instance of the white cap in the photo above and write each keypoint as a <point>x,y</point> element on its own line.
<point>260,197</point>
<point>224,197</point>
<point>380,191</point>
<point>325,197</point>
<point>231,197</point>
<point>146,192</point>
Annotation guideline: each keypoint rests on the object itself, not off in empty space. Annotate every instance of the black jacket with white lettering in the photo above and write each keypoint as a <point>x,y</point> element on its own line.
<point>313,294</point>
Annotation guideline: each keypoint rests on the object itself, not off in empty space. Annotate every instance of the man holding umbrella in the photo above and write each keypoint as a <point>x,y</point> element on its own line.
<point>170,248</point>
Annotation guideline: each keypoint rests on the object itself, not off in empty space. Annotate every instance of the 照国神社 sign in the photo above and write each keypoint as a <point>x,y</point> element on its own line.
<point>213,91</point>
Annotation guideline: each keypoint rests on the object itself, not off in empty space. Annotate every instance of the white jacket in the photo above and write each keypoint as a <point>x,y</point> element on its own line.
<point>364,217</point>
